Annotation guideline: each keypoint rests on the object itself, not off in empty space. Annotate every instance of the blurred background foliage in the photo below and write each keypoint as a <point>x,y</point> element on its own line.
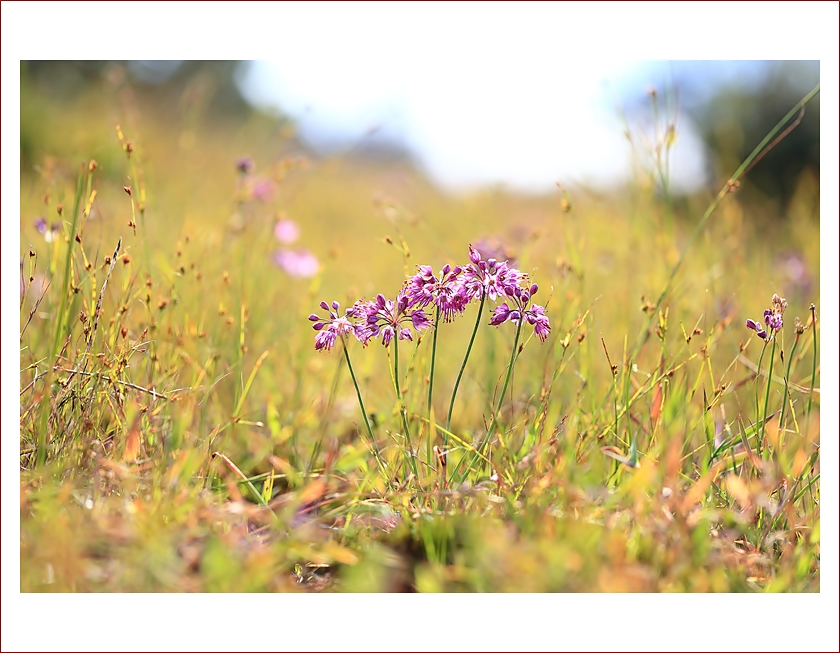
<point>732,113</point>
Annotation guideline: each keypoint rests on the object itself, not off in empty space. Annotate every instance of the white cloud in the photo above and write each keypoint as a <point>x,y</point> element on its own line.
<point>481,96</point>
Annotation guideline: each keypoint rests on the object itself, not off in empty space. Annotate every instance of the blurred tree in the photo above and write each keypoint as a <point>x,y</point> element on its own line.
<point>734,117</point>
<point>212,83</point>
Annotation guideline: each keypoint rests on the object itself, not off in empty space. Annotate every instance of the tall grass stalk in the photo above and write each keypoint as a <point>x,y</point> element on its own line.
<point>61,316</point>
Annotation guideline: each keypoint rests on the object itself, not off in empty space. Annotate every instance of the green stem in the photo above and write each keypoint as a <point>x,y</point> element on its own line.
<point>494,421</point>
<point>60,318</point>
<point>375,447</point>
<point>767,392</point>
<point>813,369</point>
<point>513,354</point>
<point>432,383</point>
<point>463,366</point>
<point>401,405</point>
<point>757,377</point>
<point>432,370</point>
<point>787,380</point>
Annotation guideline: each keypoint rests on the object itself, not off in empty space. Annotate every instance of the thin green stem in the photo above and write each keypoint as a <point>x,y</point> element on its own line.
<point>401,406</point>
<point>464,365</point>
<point>43,435</point>
<point>767,393</point>
<point>432,383</point>
<point>513,356</point>
<point>432,369</point>
<point>494,421</point>
<point>787,380</point>
<point>813,369</point>
<point>758,376</point>
<point>375,447</point>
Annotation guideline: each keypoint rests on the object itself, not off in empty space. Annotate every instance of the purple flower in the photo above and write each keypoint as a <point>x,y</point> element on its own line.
<point>244,165</point>
<point>535,314</point>
<point>286,231</point>
<point>490,278</point>
<point>774,321</point>
<point>772,318</point>
<point>301,263</point>
<point>50,233</point>
<point>385,318</point>
<point>444,291</point>
<point>330,328</point>
<point>755,326</point>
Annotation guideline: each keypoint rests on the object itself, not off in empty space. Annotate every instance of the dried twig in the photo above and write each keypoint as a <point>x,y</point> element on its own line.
<point>134,386</point>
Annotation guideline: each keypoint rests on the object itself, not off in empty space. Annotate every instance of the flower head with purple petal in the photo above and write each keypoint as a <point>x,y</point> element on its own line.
<point>772,319</point>
<point>444,291</point>
<point>534,314</point>
<point>385,318</point>
<point>244,164</point>
<point>330,328</point>
<point>49,232</point>
<point>490,278</point>
<point>756,326</point>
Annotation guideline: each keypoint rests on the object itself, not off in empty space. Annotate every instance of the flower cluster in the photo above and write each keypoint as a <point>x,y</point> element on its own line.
<point>450,291</point>
<point>490,278</point>
<point>383,318</point>
<point>772,319</point>
<point>445,291</point>
<point>534,315</point>
<point>330,328</point>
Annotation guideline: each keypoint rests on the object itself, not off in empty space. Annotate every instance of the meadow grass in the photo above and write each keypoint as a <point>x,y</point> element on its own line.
<point>179,431</point>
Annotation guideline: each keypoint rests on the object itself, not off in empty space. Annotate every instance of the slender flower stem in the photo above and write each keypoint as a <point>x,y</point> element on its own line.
<point>757,377</point>
<point>432,382</point>
<point>513,356</point>
<point>375,449</point>
<point>477,454</point>
<point>787,381</point>
<point>402,405</point>
<point>813,370</point>
<point>767,390</point>
<point>463,366</point>
<point>434,351</point>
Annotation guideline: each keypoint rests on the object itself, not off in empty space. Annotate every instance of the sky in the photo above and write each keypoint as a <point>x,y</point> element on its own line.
<point>486,96</point>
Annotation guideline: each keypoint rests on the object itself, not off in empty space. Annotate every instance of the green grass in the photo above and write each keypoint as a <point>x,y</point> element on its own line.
<point>188,437</point>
